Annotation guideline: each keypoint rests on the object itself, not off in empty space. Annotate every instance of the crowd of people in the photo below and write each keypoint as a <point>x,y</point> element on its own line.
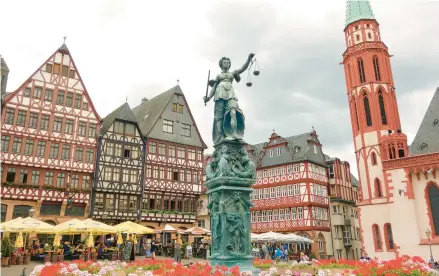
<point>278,252</point>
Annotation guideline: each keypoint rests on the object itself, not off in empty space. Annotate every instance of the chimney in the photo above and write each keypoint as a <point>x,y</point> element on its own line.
<point>144,100</point>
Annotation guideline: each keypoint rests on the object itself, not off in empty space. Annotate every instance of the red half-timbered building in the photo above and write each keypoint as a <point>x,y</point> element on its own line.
<point>48,144</point>
<point>291,190</point>
<point>174,160</point>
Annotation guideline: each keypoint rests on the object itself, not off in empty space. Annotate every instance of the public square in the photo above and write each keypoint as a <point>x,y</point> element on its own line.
<point>311,148</point>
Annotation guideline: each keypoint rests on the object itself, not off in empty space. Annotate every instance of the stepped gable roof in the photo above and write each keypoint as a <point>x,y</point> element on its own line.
<point>123,113</point>
<point>298,148</point>
<point>427,138</point>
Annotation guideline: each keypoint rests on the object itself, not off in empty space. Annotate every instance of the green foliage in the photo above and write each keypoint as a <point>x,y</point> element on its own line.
<point>313,256</point>
<point>282,265</point>
<point>153,211</point>
<point>6,247</point>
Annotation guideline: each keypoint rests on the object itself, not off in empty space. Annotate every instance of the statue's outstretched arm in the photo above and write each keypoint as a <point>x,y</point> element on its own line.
<point>246,64</point>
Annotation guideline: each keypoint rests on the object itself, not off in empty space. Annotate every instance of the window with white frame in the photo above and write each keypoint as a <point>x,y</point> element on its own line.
<point>264,216</point>
<point>278,192</point>
<point>258,216</point>
<point>296,189</point>
<point>321,245</point>
<point>284,190</point>
<point>261,193</point>
<point>270,172</point>
<point>275,213</point>
<point>265,173</point>
<point>259,174</point>
<point>279,150</point>
<point>290,190</point>
<point>255,195</point>
<point>299,212</point>
<point>272,192</point>
<point>252,215</point>
<point>293,213</point>
<point>277,172</point>
<point>270,215</point>
<point>266,193</point>
<point>290,169</point>
<point>296,168</point>
<point>271,153</point>
<point>287,214</point>
<point>284,170</point>
<point>315,149</point>
<point>281,214</point>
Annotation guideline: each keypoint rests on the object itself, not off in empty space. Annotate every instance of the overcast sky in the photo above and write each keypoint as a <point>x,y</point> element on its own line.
<point>139,49</point>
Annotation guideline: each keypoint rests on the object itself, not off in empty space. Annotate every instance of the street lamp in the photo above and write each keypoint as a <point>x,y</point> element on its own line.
<point>31,212</point>
<point>428,233</point>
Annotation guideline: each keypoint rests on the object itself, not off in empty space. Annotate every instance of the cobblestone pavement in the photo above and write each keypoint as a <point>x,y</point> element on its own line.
<point>16,270</point>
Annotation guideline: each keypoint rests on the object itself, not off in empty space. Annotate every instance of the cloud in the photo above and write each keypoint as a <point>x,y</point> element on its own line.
<point>138,49</point>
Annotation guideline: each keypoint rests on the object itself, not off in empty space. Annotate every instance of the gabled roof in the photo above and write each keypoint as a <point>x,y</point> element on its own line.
<point>427,138</point>
<point>122,113</point>
<point>64,50</point>
<point>299,149</point>
<point>3,65</point>
<point>354,181</point>
<point>150,111</point>
<point>357,10</point>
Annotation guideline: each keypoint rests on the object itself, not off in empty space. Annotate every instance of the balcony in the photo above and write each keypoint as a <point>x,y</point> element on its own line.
<point>168,216</point>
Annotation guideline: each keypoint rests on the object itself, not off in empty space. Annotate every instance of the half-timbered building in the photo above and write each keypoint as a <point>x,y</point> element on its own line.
<point>174,161</point>
<point>48,143</point>
<point>291,190</point>
<point>118,182</point>
<point>343,194</point>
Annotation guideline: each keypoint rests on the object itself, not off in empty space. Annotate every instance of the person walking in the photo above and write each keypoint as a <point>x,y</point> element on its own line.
<point>153,249</point>
<point>177,250</point>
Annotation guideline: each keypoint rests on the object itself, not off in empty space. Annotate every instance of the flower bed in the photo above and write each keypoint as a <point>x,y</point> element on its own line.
<point>136,268</point>
<point>404,265</point>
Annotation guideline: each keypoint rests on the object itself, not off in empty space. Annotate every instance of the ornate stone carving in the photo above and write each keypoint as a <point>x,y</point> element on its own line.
<point>229,161</point>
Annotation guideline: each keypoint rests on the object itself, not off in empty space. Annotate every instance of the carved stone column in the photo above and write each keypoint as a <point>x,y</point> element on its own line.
<point>230,176</point>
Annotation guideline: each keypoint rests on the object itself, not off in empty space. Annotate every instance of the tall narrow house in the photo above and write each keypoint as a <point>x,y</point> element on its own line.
<point>118,181</point>
<point>174,160</point>
<point>48,143</point>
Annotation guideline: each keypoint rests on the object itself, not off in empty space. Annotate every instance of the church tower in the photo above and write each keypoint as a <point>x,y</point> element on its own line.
<point>376,125</point>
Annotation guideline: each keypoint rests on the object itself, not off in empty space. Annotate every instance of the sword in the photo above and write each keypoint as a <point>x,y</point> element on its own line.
<point>207,87</point>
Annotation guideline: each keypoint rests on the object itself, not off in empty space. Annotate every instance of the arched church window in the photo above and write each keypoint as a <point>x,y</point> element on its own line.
<point>377,237</point>
<point>433,198</point>
<point>435,122</point>
<point>367,110</point>
<point>388,235</point>
<point>376,68</point>
<point>382,108</point>
<point>378,190</point>
<point>401,152</point>
<point>361,70</point>
<point>392,151</point>
<point>354,106</point>
<point>373,158</point>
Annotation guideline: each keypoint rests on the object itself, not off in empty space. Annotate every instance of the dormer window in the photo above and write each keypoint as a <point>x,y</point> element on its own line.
<point>435,122</point>
<point>296,149</point>
<point>279,151</point>
<point>271,153</point>
<point>315,149</point>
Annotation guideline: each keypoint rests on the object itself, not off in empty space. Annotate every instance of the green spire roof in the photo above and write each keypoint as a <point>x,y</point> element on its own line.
<point>357,10</point>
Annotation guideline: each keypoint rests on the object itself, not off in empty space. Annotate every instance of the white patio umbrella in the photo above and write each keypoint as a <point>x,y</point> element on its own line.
<point>297,238</point>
